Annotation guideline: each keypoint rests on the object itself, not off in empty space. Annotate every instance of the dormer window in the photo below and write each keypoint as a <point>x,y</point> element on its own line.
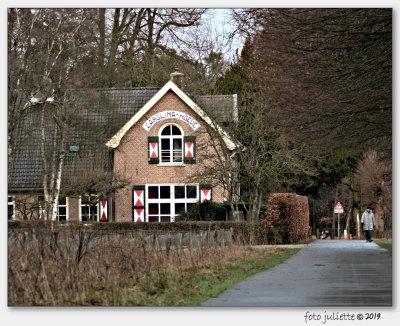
<point>171,139</point>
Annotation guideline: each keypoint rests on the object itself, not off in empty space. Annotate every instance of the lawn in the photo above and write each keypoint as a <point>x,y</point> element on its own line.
<point>196,285</point>
<point>385,243</point>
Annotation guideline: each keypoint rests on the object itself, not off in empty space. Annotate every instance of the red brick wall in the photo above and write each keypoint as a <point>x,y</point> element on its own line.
<point>131,156</point>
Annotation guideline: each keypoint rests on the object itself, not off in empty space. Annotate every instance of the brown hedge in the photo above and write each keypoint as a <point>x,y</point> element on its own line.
<point>287,218</point>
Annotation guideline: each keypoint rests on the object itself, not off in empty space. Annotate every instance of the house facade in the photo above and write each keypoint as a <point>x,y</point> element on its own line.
<point>158,151</point>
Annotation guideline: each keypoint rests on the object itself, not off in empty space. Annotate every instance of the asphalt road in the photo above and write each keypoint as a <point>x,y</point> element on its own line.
<point>325,273</point>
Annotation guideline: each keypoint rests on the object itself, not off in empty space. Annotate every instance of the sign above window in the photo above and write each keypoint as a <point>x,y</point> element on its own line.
<point>73,148</point>
<point>171,115</point>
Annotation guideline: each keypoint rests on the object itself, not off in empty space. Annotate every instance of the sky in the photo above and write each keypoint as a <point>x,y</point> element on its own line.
<point>222,22</point>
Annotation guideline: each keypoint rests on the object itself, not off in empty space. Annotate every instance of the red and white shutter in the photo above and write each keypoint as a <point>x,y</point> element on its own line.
<point>138,197</point>
<point>153,150</point>
<point>138,203</point>
<point>138,214</point>
<point>205,193</point>
<point>190,149</point>
<point>103,210</point>
<point>189,153</point>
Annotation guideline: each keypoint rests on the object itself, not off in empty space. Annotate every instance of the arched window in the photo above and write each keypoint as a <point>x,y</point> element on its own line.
<point>171,144</point>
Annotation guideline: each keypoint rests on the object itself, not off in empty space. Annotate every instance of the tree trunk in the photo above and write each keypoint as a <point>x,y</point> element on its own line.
<point>379,211</point>
<point>356,209</point>
<point>254,210</point>
<point>53,171</point>
<point>45,166</point>
<point>102,32</point>
<point>58,174</point>
<point>115,36</point>
<point>349,214</point>
<point>333,223</point>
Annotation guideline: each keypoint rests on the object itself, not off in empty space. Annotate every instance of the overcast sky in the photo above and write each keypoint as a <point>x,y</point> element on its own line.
<point>222,22</point>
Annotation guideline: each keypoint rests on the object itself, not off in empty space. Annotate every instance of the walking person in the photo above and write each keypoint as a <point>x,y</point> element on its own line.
<point>368,223</point>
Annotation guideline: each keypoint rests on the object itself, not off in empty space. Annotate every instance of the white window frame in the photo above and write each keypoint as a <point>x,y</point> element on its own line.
<point>82,204</point>
<point>66,209</point>
<point>171,150</point>
<point>11,203</point>
<point>172,200</point>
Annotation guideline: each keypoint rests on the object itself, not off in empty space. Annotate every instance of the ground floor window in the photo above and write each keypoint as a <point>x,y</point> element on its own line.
<point>62,209</point>
<point>11,206</point>
<point>42,208</point>
<point>165,202</point>
<point>89,209</point>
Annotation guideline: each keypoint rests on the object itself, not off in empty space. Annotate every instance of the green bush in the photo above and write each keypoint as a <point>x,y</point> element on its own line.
<point>205,211</point>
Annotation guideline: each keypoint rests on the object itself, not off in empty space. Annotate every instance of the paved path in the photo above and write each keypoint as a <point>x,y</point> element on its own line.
<point>325,273</point>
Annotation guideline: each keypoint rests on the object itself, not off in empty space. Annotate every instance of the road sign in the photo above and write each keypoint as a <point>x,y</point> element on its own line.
<point>338,208</point>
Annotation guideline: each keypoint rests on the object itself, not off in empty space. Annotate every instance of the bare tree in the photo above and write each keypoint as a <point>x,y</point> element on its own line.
<point>217,159</point>
<point>131,40</point>
<point>261,162</point>
<point>42,54</point>
<point>31,61</point>
<point>373,179</point>
<point>328,72</point>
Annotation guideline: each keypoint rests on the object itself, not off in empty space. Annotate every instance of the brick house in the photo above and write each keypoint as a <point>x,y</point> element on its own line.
<point>157,144</point>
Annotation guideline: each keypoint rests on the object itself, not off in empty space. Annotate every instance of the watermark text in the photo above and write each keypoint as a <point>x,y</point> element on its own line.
<point>324,318</point>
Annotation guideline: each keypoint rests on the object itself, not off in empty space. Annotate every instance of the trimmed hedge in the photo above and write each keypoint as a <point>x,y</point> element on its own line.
<point>204,211</point>
<point>128,226</point>
<point>241,230</point>
<point>286,219</point>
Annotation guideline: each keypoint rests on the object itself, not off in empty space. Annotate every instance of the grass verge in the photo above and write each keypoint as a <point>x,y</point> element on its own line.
<point>80,268</point>
<point>385,243</point>
<point>193,286</point>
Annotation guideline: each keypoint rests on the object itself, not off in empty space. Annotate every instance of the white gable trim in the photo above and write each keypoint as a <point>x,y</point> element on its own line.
<point>170,85</point>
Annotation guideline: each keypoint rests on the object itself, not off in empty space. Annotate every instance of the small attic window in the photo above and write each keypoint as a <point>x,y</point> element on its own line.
<point>74,148</point>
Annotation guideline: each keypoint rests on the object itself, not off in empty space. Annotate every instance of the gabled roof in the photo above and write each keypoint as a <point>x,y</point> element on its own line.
<point>113,109</point>
<point>223,108</point>
<point>169,86</point>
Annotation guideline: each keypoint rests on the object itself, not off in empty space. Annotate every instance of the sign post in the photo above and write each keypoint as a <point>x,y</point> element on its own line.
<point>339,210</point>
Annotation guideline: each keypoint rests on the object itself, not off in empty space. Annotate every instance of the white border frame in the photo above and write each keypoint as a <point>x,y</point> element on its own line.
<point>66,209</point>
<point>172,200</point>
<point>170,136</point>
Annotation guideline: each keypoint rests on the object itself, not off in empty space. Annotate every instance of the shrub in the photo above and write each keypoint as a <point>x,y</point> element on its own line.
<point>205,211</point>
<point>127,227</point>
<point>75,264</point>
<point>286,219</point>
